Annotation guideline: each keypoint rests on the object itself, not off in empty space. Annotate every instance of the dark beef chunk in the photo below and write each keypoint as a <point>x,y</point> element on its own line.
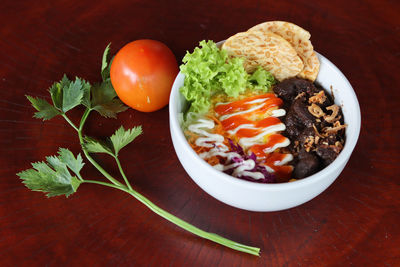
<point>329,140</point>
<point>305,134</point>
<point>298,118</point>
<point>324,124</point>
<point>288,89</point>
<point>311,145</point>
<point>293,126</point>
<point>293,131</point>
<point>307,164</point>
<point>327,153</point>
<point>300,109</point>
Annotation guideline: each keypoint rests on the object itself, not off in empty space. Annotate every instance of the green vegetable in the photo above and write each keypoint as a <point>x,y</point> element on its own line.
<point>261,80</point>
<point>209,70</point>
<point>60,174</point>
<point>53,177</point>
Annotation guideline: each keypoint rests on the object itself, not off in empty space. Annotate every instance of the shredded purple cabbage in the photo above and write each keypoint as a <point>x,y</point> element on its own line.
<point>268,177</point>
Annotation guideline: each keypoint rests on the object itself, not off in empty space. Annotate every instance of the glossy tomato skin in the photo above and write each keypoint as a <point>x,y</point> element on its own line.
<point>142,74</point>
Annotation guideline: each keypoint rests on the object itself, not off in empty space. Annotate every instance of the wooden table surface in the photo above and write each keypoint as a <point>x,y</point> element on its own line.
<point>354,222</point>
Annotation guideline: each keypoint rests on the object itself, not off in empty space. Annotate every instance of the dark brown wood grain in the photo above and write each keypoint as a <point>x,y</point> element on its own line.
<point>354,222</point>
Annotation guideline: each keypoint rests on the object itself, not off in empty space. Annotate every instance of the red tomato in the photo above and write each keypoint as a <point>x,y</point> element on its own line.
<point>142,74</point>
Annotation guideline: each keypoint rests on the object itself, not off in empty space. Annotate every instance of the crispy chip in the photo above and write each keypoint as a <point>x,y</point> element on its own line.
<point>265,49</point>
<point>311,68</point>
<point>295,35</point>
<point>299,39</point>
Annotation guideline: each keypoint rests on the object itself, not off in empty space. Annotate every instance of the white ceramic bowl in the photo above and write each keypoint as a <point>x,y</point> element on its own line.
<point>269,197</point>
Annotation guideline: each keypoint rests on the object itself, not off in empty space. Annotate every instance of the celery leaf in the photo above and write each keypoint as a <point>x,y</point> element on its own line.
<point>53,177</point>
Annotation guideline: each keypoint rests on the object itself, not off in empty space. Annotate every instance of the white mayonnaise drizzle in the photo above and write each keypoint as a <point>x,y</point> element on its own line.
<point>259,100</point>
<point>286,159</point>
<point>243,126</point>
<point>210,140</point>
<point>278,112</point>
<point>255,101</point>
<point>246,166</point>
<point>218,104</point>
<point>254,175</point>
<point>269,169</point>
<point>224,117</point>
<point>220,149</point>
<point>250,141</point>
<point>247,142</point>
<point>241,169</point>
<point>277,145</point>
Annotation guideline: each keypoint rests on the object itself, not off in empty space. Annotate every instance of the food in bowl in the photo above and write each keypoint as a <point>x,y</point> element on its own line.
<point>249,115</point>
<point>314,125</point>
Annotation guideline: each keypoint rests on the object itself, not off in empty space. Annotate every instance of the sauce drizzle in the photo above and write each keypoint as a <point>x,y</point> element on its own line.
<point>218,148</point>
<point>254,122</point>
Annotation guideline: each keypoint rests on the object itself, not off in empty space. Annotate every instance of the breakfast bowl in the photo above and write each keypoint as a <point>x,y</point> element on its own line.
<point>253,196</point>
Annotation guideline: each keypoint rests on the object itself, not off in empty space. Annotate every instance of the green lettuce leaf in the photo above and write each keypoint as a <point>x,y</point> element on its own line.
<point>261,80</point>
<point>209,70</point>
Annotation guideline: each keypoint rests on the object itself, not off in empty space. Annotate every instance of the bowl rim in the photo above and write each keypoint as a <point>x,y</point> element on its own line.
<point>339,161</point>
